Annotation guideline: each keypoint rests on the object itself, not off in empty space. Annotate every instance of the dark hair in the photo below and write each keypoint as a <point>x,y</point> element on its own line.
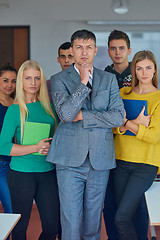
<point>83,34</point>
<point>7,68</point>
<point>116,34</point>
<point>64,46</point>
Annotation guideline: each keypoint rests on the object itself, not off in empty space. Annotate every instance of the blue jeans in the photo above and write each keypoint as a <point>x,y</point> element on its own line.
<point>141,218</point>
<point>4,189</point>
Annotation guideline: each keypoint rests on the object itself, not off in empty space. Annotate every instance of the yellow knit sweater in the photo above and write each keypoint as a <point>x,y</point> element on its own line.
<point>145,146</point>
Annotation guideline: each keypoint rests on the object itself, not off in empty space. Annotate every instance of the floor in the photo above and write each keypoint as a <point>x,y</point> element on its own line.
<point>34,228</point>
<point>35,224</point>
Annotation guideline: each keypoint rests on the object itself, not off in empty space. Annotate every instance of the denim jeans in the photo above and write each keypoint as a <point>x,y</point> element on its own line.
<point>4,189</point>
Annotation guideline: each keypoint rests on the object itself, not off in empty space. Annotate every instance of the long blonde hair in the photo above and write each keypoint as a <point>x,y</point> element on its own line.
<point>140,56</point>
<point>42,94</point>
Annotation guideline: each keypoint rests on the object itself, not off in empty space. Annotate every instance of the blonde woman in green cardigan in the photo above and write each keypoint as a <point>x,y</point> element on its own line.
<point>138,157</point>
<point>30,176</point>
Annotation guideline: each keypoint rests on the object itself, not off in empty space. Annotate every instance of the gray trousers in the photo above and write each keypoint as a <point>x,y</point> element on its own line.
<point>81,191</point>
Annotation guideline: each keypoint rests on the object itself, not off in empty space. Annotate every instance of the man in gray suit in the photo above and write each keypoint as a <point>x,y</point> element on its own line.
<point>88,104</point>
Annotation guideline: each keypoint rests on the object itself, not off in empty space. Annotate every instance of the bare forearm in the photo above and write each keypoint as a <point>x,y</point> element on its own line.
<point>131,126</point>
<point>41,147</point>
<point>19,150</point>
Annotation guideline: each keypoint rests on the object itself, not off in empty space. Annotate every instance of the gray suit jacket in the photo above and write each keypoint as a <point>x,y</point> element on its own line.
<point>104,110</point>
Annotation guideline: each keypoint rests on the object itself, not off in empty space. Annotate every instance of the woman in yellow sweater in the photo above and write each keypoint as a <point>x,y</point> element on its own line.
<point>138,156</point>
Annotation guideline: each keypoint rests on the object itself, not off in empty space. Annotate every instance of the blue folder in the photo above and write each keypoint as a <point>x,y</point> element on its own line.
<point>133,109</point>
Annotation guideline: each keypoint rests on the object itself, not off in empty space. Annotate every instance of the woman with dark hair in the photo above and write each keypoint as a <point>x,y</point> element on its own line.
<point>8,75</point>
<point>137,156</point>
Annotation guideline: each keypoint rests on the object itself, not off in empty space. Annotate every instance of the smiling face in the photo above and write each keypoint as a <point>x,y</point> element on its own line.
<point>145,70</point>
<point>7,83</point>
<point>83,51</point>
<point>31,81</point>
<point>118,51</point>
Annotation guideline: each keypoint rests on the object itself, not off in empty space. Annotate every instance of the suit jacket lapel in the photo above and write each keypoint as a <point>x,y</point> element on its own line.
<point>73,74</point>
<point>95,83</point>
